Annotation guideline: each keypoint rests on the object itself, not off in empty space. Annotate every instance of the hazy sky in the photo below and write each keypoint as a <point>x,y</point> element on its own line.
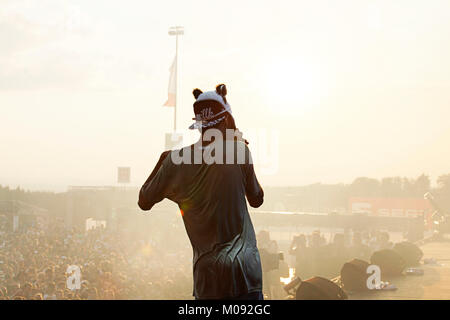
<point>350,88</point>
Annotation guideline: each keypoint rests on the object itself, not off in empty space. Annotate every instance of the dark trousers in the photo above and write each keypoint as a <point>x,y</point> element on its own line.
<point>258,295</point>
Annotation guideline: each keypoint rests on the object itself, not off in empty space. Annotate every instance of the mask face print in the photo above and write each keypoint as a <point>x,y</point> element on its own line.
<point>207,113</point>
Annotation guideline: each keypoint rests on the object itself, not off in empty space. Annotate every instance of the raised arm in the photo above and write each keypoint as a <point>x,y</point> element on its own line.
<point>154,189</point>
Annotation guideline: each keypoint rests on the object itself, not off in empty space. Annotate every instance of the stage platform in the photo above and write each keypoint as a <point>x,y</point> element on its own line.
<point>433,285</point>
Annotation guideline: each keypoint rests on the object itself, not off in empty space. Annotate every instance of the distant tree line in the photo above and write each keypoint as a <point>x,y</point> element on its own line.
<point>334,197</point>
<point>55,203</point>
<point>311,198</point>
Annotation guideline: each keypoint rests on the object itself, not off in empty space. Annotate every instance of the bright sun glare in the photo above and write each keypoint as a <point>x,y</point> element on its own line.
<point>292,85</point>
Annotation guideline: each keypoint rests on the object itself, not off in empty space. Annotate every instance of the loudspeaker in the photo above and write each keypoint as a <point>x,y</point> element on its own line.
<point>318,288</point>
<point>389,261</point>
<point>409,252</point>
<point>354,275</point>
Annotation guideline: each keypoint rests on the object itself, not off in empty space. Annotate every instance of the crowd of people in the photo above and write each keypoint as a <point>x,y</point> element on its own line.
<point>313,255</point>
<point>34,265</point>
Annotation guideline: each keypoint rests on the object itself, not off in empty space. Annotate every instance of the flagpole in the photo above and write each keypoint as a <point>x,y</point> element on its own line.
<point>176,31</point>
<point>176,86</point>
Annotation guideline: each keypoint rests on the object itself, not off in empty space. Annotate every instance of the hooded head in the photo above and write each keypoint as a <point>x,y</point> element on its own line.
<point>210,107</point>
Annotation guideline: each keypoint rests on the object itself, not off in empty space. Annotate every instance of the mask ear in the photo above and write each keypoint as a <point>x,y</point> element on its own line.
<point>196,93</point>
<point>221,90</point>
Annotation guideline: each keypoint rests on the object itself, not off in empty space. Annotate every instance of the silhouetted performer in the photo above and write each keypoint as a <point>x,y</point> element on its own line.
<point>211,198</point>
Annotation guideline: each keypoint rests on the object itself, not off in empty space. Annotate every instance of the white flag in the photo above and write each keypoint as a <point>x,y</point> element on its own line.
<point>172,94</point>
